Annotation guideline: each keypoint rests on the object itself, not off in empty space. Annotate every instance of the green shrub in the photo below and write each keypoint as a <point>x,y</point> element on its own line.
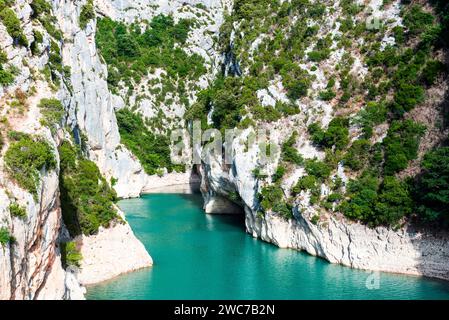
<point>407,97</point>
<point>153,151</point>
<point>6,77</point>
<point>431,191</point>
<point>327,95</point>
<point>315,219</point>
<point>297,88</point>
<point>70,255</point>
<point>393,203</point>
<point>334,197</point>
<point>3,57</point>
<point>25,159</point>
<point>272,198</point>
<point>431,71</point>
<point>377,203</point>
<point>401,145</point>
<point>373,114</point>
<point>417,21</point>
<point>284,209</point>
<point>270,195</point>
<point>358,154</point>
<point>289,152</point>
<point>318,56</point>
<point>52,111</point>
<point>12,24</point>
<point>87,14</point>
<point>40,7</point>
<point>49,21</point>
<point>363,195</point>
<point>258,174</point>
<point>16,135</point>
<point>308,182</point>
<point>5,236</point>
<point>317,168</point>
<point>337,134</point>
<point>38,39</point>
<point>87,201</point>
<point>17,211</point>
<point>277,176</point>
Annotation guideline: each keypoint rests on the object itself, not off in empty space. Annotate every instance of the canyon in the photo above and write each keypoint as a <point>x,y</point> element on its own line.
<point>31,265</point>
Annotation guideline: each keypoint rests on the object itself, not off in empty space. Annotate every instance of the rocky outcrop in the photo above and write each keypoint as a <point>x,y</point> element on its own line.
<point>91,106</point>
<point>109,253</point>
<point>407,251</point>
<point>30,265</point>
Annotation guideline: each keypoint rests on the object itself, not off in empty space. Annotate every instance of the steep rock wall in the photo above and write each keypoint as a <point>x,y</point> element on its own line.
<point>30,265</point>
<point>407,251</point>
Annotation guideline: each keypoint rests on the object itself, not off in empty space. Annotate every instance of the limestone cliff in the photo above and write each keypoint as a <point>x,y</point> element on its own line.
<point>325,63</point>
<point>311,224</point>
<point>30,255</point>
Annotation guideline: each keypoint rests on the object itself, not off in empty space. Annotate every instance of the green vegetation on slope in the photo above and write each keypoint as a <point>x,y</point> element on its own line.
<point>337,134</point>
<point>6,76</point>
<point>397,80</point>
<point>132,53</point>
<point>375,202</point>
<point>432,188</point>
<point>87,201</point>
<point>70,254</point>
<point>87,14</point>
<point>26,157</point>
<point>12,23</point>
<point>152,150</point>
<point>52,111</point>
<point>5,236</point>
<point>17,210</point>
<point>42,12</point>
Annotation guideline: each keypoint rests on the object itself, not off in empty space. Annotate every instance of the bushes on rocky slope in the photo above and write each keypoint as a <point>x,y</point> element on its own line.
<point>87,13</point>
<point>6,76</point>
<point>431,191</point>
<point>42,12</point>
<point>40,7</point>
<point>17,210</point>
<point>401,145</point>
<point>152,150</point>
<point>289,152</point>
<point>5,236</point>
<point>12,23</point>
<point>70,255</point>
<point>26,157</point>
<point>87,201</point>
<point>337,134</point>
<point>375,202</point>
<point>131,52</point>
<point>271,197</point>
<point>52,111</point>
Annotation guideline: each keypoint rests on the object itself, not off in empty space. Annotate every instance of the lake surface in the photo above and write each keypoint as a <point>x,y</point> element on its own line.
<point>200,256</point>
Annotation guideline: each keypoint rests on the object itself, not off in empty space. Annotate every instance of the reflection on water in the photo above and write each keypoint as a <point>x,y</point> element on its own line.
<point>199,256</point>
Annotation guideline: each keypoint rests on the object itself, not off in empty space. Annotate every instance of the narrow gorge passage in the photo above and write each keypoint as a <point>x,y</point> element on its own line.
<point>201,256</point>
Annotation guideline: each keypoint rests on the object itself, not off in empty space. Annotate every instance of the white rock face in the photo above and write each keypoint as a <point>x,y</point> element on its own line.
<point>334,238</point>
<point>355,245</point>
<point>111,252</point>
<point>92,105</point>
<point>31,268</point>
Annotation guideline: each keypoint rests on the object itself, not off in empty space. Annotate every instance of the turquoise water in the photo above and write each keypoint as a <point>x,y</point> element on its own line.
<point>199,256</point>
